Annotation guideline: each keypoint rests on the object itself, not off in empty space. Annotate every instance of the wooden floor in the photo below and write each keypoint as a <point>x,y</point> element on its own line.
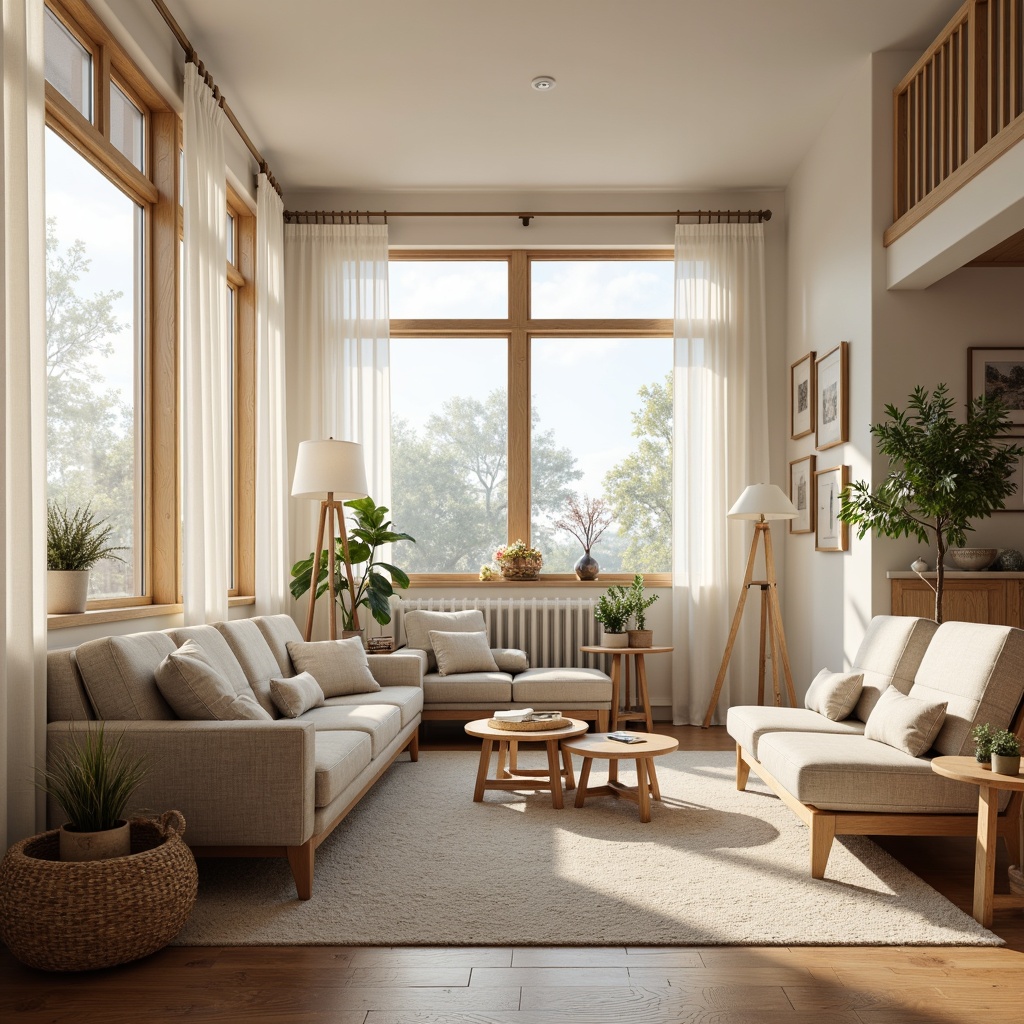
<point>705,985</point>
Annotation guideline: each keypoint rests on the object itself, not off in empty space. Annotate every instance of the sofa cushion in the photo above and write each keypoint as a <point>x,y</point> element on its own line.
<point>253,653</point>
<point>297,695</point>
<point>340,757</point>
<point>852,773</point>
<point>747,724</point>
<point>381,722</point>
<point>418,624</point>
<point>217,652</point>
<point>509,659</point>
<point>906,723</point>
<point>119,676</point>
<point>66,699</point>
<point>889,655</point>
<point>834,694</point>
<point>277,630</point>
<point>339,666</point>
<point>197,691</point>
<point>495,687</point>
<point>408,700</point>
<point>457,653</point>
<point>563,685</point>
<point>978,670</point>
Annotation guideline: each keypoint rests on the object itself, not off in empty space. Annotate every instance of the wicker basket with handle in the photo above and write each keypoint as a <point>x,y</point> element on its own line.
<point>521,569</point>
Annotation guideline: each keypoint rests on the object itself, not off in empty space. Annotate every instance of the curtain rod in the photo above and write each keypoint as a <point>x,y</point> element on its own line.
<point>350,216</point>
<point>192,57</point>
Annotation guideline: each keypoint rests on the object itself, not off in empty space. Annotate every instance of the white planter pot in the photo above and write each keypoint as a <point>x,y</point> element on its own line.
<point>66,591</point>
<point>614,639</point>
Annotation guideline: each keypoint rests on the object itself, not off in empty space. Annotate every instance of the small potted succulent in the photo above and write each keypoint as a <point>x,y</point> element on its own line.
<point>75,542</point>
<point>1005,753</point>
<point>640,636</point>
<point>982,736</point>
<point>613,611</point>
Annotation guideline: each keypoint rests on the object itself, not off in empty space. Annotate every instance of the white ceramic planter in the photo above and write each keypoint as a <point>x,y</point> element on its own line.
<point>66,591</point>
<point>614,639</point>
<point>79,846</point>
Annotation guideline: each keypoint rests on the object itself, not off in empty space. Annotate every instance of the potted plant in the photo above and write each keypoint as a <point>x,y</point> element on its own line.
<point>1005,753</point>
<point>75,542</point>
<point>374,589</point>
<point>640,635</point>
<point>613,611</point>
<point>518,561</point>
<point>982,736</point>
<point>586,519</point>
<point>943,473</point>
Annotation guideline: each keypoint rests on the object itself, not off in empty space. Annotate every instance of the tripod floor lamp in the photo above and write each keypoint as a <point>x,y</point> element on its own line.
<point>760,503</point>
<point>332,471</point>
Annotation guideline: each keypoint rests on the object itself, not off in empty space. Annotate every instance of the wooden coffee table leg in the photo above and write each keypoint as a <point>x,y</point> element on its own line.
<point>641,691</point>
<point>653,777</point>
<point>570,778</point>
<point>499,771</point>
<point>581,792</point>
<point>513,756</point>
<point>616,677</point>
<point>985,855</point>
<point>554,773</point>
<point>643,792</point>
<point>481,772</point>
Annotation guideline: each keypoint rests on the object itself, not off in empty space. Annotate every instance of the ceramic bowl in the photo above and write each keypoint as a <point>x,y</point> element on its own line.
<point>972,559</point>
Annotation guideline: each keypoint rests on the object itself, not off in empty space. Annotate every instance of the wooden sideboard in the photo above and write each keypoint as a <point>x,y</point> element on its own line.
<point>996,597</point>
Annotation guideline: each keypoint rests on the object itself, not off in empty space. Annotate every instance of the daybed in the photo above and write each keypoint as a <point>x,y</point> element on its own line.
<point>839,782</point>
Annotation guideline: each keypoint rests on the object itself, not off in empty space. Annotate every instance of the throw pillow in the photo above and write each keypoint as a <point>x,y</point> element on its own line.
<point>295,696</point>
<point>834,694</point>
<point>339,666</point>
<point>906,723</point>
<point>461,652</point>
<point>419,622</point>
<point>196,691</point>
<point>510,660</point>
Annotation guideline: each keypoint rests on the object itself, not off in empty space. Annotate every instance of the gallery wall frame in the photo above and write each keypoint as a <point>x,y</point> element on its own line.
<point>801,493</point>
<point>997,371</point>
<point>802,397</point>
<point>832,398</point>
<point>830,533</point>
<point>1015,502</point>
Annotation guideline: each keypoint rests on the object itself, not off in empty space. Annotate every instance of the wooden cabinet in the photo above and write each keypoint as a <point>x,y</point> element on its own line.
<point>967,596</point>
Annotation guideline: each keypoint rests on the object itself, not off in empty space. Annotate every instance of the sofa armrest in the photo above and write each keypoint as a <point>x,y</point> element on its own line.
<point>240,783</point>
<point>403,668</point>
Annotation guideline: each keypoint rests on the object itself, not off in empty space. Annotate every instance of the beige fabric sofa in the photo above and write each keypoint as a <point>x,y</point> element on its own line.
<point>246,788</point>
<point>840,783</point>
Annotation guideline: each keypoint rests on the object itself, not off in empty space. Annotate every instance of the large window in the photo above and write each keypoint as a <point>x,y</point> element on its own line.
<point>520,380</point>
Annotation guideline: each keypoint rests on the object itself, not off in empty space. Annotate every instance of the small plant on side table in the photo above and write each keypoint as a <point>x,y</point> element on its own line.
<point>982,736</point>
<point>613,611</point>
<point>641,636</point>
<point>1005,753</point>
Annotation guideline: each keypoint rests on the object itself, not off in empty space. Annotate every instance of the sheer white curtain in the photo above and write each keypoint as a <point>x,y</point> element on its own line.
<point>339,385</point>
<point>23,448</point>
<point>205,427</point>
<point>720,446</point>
<point>272,481</point>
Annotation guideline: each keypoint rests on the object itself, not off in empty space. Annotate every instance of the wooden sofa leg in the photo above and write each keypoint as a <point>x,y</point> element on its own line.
<point>823,831</point>
<point>413,746</point>
<point>602,721</point>
<point>301,860</point>
<point>742,769</point>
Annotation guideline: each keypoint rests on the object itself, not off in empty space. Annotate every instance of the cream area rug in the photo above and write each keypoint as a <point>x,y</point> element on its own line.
<point>418,863</point>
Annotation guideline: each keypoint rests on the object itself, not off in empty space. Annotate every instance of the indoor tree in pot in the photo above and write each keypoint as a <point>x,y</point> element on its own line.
<point>613,611</point>
<point>942,474</point>
<point>75,542</point>
<point>640,635</point>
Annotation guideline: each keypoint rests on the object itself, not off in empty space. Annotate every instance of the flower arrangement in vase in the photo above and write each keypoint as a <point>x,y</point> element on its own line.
<point>586,519</point>
<point>518,561</point>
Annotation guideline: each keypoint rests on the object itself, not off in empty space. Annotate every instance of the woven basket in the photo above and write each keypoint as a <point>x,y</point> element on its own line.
<point>548,726</point>
<point>59,916</point>
<point>521,569</point>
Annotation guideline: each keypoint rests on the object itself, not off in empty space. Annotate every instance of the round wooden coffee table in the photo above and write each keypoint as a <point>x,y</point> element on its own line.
<point>598,745</point>
<point>524,778</point>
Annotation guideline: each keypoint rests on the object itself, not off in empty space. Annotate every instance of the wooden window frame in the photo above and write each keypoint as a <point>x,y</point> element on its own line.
<point>519,328</point>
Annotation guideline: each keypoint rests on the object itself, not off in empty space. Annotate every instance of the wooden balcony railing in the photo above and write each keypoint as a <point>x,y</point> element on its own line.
<point>958,108</point>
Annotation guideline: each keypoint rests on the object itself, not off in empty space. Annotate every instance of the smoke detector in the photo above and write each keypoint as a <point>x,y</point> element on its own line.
<point>543,83</point>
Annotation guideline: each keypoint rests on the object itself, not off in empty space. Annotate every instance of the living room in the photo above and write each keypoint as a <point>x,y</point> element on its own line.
<point>457,132</point>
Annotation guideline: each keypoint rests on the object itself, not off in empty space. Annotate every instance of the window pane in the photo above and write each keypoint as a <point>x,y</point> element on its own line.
<point>424,289</point>
<point>231,239</point>
<point>601,288</point>
<point>610,438</point>
<point>94,274</point>
<point>449,439</point>
<point>127,127</point>
<point>233,413</point>
<point>68,65</point>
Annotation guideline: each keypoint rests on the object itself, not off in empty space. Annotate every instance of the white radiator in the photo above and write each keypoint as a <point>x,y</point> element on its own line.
<point>550,630</point>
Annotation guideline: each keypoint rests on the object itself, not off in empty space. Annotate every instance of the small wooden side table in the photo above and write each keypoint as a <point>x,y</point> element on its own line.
<point>967,769</point>
<point>620,678</point>
<point>524,778</point>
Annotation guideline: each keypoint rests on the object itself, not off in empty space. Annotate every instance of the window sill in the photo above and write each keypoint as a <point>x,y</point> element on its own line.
<point>243,599</point>
<point>98,616</point>
<point>654,580</point>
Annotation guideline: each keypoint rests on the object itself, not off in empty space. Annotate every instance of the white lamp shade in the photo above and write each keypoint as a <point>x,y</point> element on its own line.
<point>763,501</point>
<point>322,467</point>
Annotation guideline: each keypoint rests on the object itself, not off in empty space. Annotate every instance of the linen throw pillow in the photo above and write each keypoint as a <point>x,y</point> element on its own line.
<point>295,696</point>
<point>339,666</point>
<point>509,659</point>
<point>906,723</point>
<point>196,691</point>
<point>834,694</point>
<point>461,652</point>
<point>419,622</point>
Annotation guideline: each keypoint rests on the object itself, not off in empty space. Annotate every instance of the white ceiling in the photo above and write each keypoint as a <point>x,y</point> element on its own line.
<point>435,94</point>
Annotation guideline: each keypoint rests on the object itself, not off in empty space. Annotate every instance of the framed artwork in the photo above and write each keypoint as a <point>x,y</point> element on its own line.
<point>1015,502</point>
<point>801,397</point>
<point>830,534</point>
<point>998,372</point>
<point>833,413</point>
<point>801,486</point>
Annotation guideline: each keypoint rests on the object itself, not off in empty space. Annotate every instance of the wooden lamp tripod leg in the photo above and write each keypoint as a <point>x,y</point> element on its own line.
<point>348,564</point>
<point>315,571</point>
<point>776,609</point>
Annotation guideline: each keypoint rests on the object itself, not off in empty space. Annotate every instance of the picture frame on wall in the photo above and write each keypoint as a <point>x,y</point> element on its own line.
<point>832,426</point>
<point>830,533</point>
<point>1015,502</point>
<point>997,371</point>
<point>801,493</point>
<point>802,397</point>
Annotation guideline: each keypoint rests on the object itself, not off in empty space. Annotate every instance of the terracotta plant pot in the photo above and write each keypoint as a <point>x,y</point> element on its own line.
<point>80,846</point>
<point>614,639</point>
<point>1006,764</point>
<point>641,638</point>
<point>66,591</point>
